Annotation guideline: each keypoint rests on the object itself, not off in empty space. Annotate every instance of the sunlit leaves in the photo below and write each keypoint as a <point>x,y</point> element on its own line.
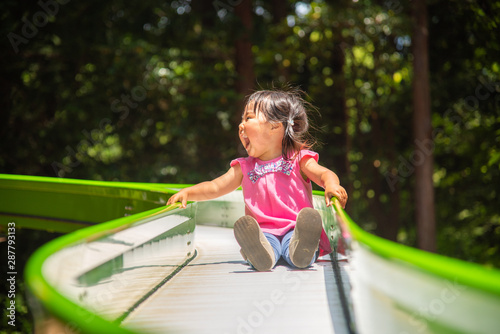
<point>144,91</point>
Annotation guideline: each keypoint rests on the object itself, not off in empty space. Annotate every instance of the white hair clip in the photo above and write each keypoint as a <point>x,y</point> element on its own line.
<point>291,122</point>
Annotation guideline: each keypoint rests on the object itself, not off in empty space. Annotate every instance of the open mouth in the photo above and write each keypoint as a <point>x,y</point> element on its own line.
<point>244,140</point>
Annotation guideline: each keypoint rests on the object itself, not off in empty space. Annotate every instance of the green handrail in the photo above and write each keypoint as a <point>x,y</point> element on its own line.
<point>70,314</point>
<point>470,274</point>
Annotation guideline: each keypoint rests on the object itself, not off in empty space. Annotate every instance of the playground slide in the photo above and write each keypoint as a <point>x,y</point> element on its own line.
<point>81,282</point>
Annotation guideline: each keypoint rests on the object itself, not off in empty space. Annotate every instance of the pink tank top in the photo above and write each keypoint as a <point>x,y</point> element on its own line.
<point>275,191</point>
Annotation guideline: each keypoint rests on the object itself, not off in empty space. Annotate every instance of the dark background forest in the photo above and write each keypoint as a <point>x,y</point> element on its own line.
<point>152,91</point>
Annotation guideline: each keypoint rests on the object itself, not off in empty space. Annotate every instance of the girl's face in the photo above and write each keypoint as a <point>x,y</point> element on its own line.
<point>260,138</point>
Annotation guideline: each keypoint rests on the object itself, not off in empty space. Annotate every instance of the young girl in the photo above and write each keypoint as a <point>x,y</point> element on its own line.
<point>276,179</point>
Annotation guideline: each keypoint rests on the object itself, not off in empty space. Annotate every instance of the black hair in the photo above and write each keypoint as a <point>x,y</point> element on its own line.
<point>288,107</point>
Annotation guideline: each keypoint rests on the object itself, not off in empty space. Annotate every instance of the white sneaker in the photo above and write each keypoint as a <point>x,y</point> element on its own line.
<point>305,239</point>
<point>254,245</point>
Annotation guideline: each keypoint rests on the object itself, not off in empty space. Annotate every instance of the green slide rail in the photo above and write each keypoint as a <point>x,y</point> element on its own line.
<point>400,289</point>
<point>81,282</point>
<point>93,213</point>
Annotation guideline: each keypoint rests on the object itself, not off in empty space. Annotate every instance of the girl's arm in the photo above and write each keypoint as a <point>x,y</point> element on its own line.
<point>210,189</point>
<point>325,178</point>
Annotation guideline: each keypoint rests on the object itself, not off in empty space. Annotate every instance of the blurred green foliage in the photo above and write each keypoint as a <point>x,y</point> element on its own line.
<point>145,91</point>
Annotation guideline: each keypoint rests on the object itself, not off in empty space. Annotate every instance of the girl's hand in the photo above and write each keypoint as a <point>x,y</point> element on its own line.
<point>181,196</point>
<point>336,190</point>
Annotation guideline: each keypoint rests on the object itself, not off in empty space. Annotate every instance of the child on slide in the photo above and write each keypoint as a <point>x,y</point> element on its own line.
<point>276,179</point>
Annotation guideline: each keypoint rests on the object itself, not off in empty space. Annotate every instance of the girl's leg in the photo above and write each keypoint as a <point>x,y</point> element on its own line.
<point>285,246</point>
<point>304,242</point>
<point>276,244</point>
<point>254,245</point>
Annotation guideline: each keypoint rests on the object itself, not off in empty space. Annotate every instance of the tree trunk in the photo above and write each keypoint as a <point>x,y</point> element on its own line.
<point>279,11</point>
<point>279,8</point>
<point>244,57</point>
<point>422,156</point>
<point>395,193</point>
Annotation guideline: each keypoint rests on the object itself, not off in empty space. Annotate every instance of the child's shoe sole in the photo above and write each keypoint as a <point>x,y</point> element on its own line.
<point>305,239</point>
<point>254,244</point>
